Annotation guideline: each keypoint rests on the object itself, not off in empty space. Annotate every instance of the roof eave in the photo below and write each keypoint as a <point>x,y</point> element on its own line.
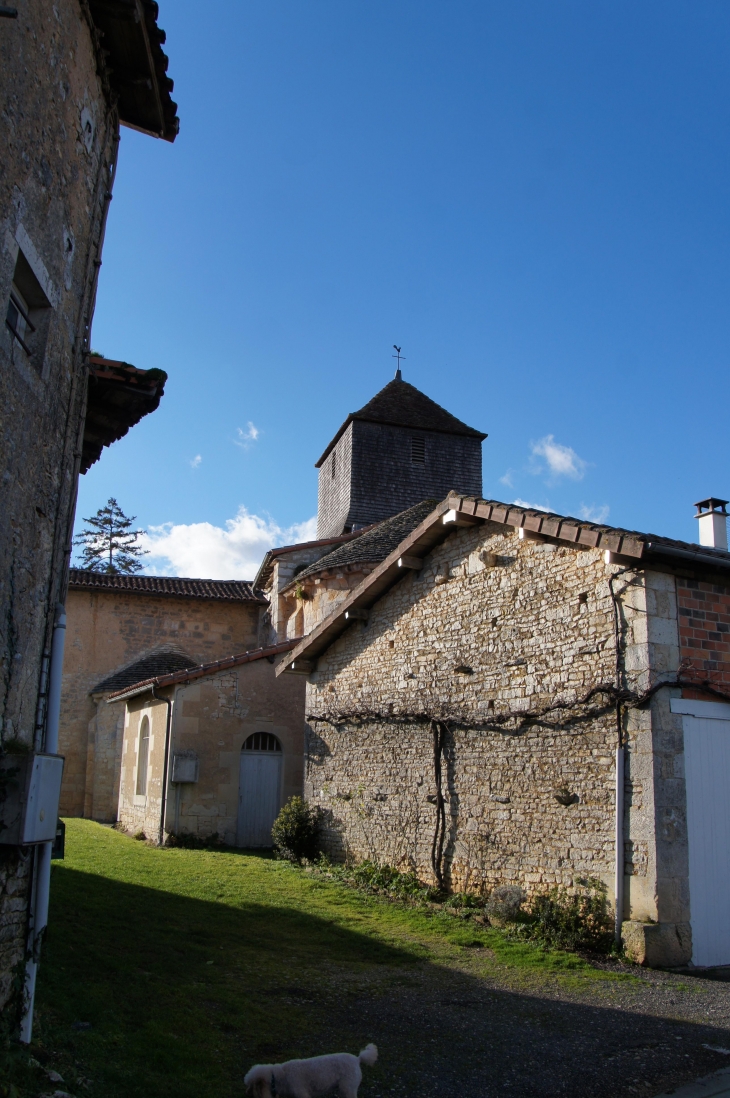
<point>470,433</point>
<point>335,440</point>
<point>134,65</point>
<point>626,547</point>
<point>671,553</point>
<point>190,674</point>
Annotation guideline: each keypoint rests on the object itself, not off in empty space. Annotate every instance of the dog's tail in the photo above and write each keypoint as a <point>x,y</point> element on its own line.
<point>368,1055</point>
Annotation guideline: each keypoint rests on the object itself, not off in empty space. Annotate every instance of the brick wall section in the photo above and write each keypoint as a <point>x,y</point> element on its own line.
<point>107,630</point>
<point>535,628</point>
<point>704,629</point>
<point>57,138</point>
<point>376,477</point>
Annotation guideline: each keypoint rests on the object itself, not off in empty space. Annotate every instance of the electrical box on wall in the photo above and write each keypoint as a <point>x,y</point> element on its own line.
<point>30,789</point>
<point>184,767</point>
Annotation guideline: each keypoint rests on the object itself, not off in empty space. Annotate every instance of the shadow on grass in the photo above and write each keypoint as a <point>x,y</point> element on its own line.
<point>179,996</point>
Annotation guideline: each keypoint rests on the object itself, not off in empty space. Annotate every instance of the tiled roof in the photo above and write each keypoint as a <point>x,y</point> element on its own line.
<point>627,547</point>
<point>158,663</point>
<point>119,396</point>
<point>267,564</point>
<point>175,586</point>
<point>403,405</point>
<point>375,544</point>
<point>134,66</point>
<point>203,669</point>
<point>617,540</point>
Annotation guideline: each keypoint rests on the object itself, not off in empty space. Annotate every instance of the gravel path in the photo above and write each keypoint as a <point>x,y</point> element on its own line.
<point>448,1032</point>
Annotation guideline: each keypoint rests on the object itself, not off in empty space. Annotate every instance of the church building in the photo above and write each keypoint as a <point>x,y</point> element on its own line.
<point>399,449</point>
<point>138,642</point>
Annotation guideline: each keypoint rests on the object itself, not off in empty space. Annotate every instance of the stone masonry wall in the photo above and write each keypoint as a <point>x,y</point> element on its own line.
<point>107,630</point>
<point>58,137</point>
<point>212,718</point>
<point>470,642</point>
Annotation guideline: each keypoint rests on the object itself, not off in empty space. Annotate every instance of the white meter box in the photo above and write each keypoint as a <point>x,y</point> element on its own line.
<point>30,789</point>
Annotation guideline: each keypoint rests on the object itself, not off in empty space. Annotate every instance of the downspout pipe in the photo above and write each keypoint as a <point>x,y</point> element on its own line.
<point>165,765</point>
<point>42,875</point>
<point>619,882</point>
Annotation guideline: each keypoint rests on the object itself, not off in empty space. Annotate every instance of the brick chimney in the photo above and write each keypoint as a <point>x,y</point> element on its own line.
<point>713,522</point>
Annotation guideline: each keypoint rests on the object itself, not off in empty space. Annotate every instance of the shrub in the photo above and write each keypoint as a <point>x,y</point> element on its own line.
<point>577,920</point>
<point>504,904</point>
<point>140,836</point>
<point>296,831</point>
<point>188,841</point>
<point>385,880</point>
<point>464,901</point>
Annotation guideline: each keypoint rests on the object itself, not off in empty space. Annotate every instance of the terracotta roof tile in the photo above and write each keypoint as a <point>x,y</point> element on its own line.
<point>171,586</point>
<point>119,396</point>
<point>630,547</point>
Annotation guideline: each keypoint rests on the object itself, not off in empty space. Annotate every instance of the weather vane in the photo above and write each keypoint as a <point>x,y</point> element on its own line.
<point>398,356</point>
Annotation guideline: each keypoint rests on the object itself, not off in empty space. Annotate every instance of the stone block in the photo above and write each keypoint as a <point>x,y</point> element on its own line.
<point>657,945</point>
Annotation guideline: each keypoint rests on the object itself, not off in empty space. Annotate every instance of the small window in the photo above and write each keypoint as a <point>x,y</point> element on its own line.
<point>143,754</point>
<point>18,318</point>
<point>262,741</point>
<point>333,465</point>
<point>418,450</point>
<point>28,312</point>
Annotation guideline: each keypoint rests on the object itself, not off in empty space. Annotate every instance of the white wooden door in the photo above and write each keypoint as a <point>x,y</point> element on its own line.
<point>258,797</point>
<point>707,770</point>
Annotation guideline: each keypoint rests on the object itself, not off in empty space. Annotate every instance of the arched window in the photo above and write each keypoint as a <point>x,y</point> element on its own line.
<point>262,741</point>
<point>143,753</point>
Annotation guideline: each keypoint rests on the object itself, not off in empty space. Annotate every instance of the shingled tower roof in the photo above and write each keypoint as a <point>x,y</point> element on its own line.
<point>403,405</point>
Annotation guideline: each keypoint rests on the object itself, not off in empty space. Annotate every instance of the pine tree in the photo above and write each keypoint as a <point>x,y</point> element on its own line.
<point>109,544</point>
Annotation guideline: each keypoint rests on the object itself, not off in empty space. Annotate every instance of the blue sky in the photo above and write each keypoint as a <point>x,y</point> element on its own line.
<point>531,198</point>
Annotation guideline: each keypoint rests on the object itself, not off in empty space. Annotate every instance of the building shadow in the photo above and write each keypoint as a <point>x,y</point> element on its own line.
<point>157,993</point>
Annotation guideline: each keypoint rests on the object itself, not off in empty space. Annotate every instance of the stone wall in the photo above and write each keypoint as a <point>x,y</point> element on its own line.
<point>212,718</point>
<point>282,614</point>
<point>58,138</point>
<point>321,596</point>
<point>494,628</point>
<point>107,630</point>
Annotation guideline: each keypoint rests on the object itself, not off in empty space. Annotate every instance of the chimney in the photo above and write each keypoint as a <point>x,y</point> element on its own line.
<point>713,522</point>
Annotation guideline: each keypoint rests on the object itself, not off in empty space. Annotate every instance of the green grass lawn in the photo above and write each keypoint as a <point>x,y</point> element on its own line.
<point>170,972</point>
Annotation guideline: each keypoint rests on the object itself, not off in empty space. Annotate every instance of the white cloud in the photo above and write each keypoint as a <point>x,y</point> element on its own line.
<point>562,460</point>
<point>507,479</point>
<point>245,438</point>
<point>529,506</point>
<point>593,513</point>
<point>195,462</point>
<point>232,551</point>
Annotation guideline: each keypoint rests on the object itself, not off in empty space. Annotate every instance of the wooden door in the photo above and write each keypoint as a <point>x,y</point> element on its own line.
<point>258,797</point>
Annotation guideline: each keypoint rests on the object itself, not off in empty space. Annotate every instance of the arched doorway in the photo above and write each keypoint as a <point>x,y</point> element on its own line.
<point>259,789</point>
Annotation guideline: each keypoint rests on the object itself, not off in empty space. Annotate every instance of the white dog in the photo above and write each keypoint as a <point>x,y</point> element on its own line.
<point>310,1078</point>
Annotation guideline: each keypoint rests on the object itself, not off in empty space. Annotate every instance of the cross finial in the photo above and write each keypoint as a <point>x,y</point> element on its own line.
<point>399,356</point>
